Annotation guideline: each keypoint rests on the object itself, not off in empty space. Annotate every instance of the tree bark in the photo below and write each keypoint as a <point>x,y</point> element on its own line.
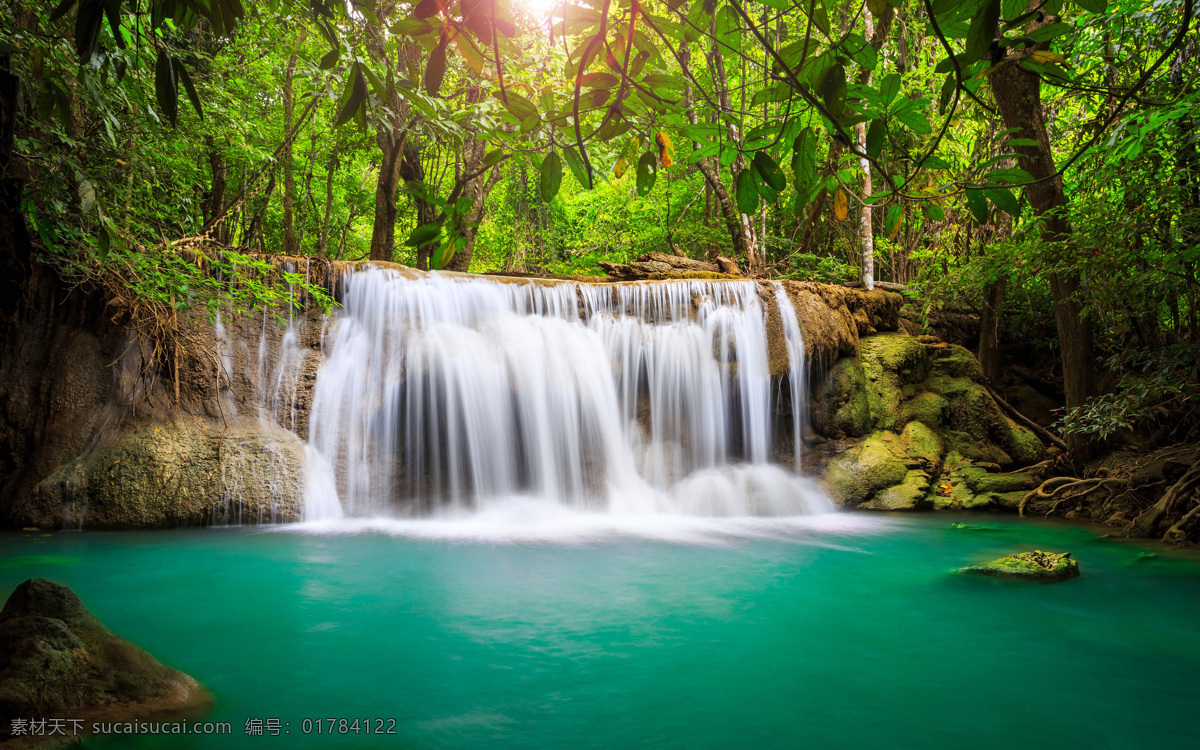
<point>1018,96</point>
<point>290,245</point>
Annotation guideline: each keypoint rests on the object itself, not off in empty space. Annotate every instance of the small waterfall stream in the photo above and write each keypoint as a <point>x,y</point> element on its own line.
<point>443,393</point>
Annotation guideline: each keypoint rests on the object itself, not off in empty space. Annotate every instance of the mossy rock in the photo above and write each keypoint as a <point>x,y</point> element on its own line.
<point>1028,566</point>
<point>955,362</point>
<point>1022,444</point>
<point>58,660</point>
<point>983,481</point>
<point>911,494</point>
<point>840,405</point>
<point>891,361</point>
<point>919,441</point>
<point>928,408</point>
<point>863,471</point>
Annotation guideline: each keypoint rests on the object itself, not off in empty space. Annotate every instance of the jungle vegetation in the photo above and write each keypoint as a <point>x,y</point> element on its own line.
<point>1031,165</point>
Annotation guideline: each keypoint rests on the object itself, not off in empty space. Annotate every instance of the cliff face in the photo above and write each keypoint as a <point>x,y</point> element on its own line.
<point>94,438</point>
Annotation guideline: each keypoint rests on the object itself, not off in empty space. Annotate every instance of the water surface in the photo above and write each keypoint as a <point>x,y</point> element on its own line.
<point>528,632</point>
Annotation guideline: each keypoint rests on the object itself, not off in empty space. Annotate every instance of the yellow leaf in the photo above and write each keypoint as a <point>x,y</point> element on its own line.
<point>839,205</point>
<point>1048,57</point>
<point>621,168</point>
<point>896,229</point>
<point>665,147</point>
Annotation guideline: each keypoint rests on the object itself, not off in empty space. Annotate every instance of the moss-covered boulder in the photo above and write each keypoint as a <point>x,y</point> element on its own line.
<point>911,494</point>
<point>860,473</point>
<point>57,660</point>
<point>190,471</point>
<point>841,396</point>
<point>1028,566</point>
<point>922,402</point>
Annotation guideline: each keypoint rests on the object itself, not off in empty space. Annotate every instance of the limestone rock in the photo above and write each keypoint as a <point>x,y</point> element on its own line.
<point>190,471</point>
<point>1028,566</point>
<point>860,473</point>
<point>56,659</point>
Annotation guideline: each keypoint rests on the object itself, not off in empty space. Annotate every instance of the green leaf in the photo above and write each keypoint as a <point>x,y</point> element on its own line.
<point>978,205</point>
<point>876,137</point>
<point>914,120</point>
<point>1051,31</point>
<point>551,179</point>
<point>1021,142</point>
<point>833,90</point>
<point>493,158</point>
<point>578,168</point>
<point>61,10</point>
<point>747,192</point>
<point>983,30</point>
<point>934,212</point>
<point>423,235</point>
<point>88,22</point>
<point>186,79</point>
<point>889,87</point>
<point>356,94</point>
<point>894,214</point>
<point>769,171</point>
<point>427,9</point>
<point>1004,200</point>
<point>1013,175</point>
<point>1093,6</point>
<point>435,69</point>
<point>166,90</point>
<point>112,9</point>
<point>647,173</point>
<point>330,59</point>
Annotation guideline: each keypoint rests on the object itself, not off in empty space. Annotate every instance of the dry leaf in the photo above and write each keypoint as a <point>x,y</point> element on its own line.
<point>839,205</point>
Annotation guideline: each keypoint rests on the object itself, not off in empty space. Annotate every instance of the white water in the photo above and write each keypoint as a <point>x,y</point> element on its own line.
<point>445,396</point>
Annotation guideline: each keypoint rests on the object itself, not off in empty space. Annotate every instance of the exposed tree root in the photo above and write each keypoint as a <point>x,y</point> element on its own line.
<point>1061,489</point>
<point>1150,521</point>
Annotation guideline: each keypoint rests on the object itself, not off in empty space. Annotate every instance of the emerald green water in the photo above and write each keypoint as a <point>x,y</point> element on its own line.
<point>850,632</point>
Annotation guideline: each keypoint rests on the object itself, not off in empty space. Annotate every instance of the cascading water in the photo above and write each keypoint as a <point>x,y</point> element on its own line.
<point>441,393</point>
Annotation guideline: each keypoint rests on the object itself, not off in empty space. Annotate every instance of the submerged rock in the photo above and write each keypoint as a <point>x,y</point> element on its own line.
<point>57,660</point>
<point>1028,566</point>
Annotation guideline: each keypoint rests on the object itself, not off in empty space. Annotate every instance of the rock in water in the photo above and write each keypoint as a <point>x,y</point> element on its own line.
<point>57,660</point>
<point>1028,566</point>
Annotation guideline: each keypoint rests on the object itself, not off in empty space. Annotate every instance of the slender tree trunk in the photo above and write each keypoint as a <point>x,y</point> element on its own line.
<point>745,241</point>
<point>215,205</point>
<point>323,245</point>
<point>1018,96</point>
<point>477,188</point>
<point>866,231</point>
<point>290,244</point>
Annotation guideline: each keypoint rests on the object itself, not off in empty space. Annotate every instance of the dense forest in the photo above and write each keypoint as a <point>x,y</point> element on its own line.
<point>1027,173</point>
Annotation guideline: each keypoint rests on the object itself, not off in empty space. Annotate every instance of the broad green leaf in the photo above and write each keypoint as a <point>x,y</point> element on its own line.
<point>934,212</point>
<point>647,173</point>
<point>166,90</point>
<point>186,80</point>
<point>833,90</point>
<point>1013,175</point>
<point>983,30</point>
<point>1021,142</point>
<point>1093,6</point>
<point>493,158</point>
<point>1051,31</point>
<point>578,168</point>
<point>889,87</point>
<point>978,205</point>
<point>1004,200</point>
<point>423,235</point>
<point>747,192</point>
<point>353,99</point>
<point>551,178</point>
<point>61,10</point>
<point>769,171</point>
<point>435,69</point>
<point>876,137</point>
<point>914,120</point>
<point>330,59</point>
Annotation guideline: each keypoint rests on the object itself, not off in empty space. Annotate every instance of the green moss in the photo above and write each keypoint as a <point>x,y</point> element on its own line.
<point>956,362</point>
<point>863,471</point>
<point>1022,444</point>
<point>981,480</point>
<point>1029,566</point>
<point>919,441</point>
<point>840,405</point>
<point>928,408</point>
<point>911,494</point>
<point>891,361</point>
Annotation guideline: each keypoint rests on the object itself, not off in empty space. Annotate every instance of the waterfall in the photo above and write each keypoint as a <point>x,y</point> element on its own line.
<point>442,393</point>
<point>797,372</point>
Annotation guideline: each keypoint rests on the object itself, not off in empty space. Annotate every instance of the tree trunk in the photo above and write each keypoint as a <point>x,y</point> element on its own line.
<point>290,245</point>
<point>214,207</point>
<point>323,244</point>
<point>745,238</point>
<point>477,188</point>
<point>866,230</point>
<point>1018,97</point>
